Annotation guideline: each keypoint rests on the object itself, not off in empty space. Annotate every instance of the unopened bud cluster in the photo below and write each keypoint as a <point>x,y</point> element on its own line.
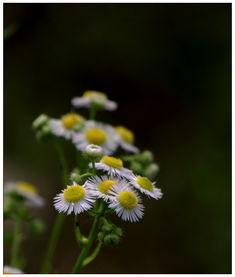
<point>110,234</point>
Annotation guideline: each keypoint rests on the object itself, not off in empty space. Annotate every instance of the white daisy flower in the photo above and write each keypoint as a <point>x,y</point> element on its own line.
<point>66,126</point>
<point>26,190</point>
<point>74,198</point>
<point>147,187</point>
<point>11,270</point>
<point>91,97</point>
<point>113,166</point>
<point>99,134</point>
<point>100,186</point>
<point>126,138</point>
<point>126,203</point>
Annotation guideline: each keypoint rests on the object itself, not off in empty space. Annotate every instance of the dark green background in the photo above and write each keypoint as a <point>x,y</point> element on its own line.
<point>169,68</point>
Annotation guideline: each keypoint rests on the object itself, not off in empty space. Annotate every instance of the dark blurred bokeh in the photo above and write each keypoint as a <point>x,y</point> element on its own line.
<point>169,68</point>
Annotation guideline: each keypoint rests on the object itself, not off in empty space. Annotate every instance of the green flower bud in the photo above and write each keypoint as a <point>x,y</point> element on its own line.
<point>40,121</point>
<point>93,152</point>
<point>111,239</point>
<point>118,231</point>
<point>75,177</point>
<point>84,240</point>
<point>44,133</point>
<point>136,167</point>
<point>146,156</point>
<point>107,227</point>
<point>151,171</point>
<point>100,236</point>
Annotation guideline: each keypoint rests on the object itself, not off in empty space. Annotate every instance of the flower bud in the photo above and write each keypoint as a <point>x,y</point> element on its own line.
<point>147,156</point>
<point>44,133</point>
<point>136,167</point>
<point>111,239</point>
<point>84,240</point>
<point>40,121</point>
<point>94,152</point>
<point>152,170</point>
<point>74,176</point>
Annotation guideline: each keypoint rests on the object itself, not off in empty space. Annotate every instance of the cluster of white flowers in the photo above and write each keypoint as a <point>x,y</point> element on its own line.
<point>83,132</point>
<point>115,184</point>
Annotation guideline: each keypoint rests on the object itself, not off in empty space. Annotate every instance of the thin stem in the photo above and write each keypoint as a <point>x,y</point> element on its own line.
<point>46,267</point>
<point>86,175</point>
<point>93,255</point>
<point>91,238</point>
<point>17,238</point>
<point>93,167</point>
<point>63,162</point>
<point>92,112</point>
<point>77,230</point>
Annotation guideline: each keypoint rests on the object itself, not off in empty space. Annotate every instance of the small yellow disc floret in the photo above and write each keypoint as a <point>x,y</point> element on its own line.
<point>145,183</point>
<point>96,136</point>
<point>105,186</point>
<point>70,120</point>
<point>112,162</point>
<point>128,200</point>
<point>74,193</point>
<point>27,187</point>
<point>126,134</point>
<point>92,93</point>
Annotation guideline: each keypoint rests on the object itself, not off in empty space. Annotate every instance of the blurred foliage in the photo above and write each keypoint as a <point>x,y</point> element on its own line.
<point>169,68</point>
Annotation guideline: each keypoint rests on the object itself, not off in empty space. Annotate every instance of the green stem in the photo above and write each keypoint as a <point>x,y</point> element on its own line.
<point>77,230</point>
<point>93,255</point>
<point>46,267</point>
<point>93,167</point>
<point>17,238</point>
<point>86,175</point>
<point>92,236</point>
<point>92,112</point>
<point>63,162</point>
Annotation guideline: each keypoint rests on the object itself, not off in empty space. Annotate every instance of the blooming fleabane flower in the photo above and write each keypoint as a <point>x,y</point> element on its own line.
<point>147,187</point>
<point>100,186</point>
<point>113,167</point>
<point>126,203</point>
<point>26,190</point>
<point>126,139</point>
<point>67,125</point>
<point>99,134</point>
<point>11,270</point>
<point>94,98</point>
<point>74,198</point>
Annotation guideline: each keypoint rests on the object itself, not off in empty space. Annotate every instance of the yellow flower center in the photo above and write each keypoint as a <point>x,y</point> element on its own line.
<point>105,186</point>
<point>127,199</point>
<point>92,94</point>
<point>145,183</point>
<point>70,120</point>
<point>27,187</point>
<point>112,162</point>
<point>74,193</point>
<point>6,272</point>
<point>126,134</point>
<point>96,136</point>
